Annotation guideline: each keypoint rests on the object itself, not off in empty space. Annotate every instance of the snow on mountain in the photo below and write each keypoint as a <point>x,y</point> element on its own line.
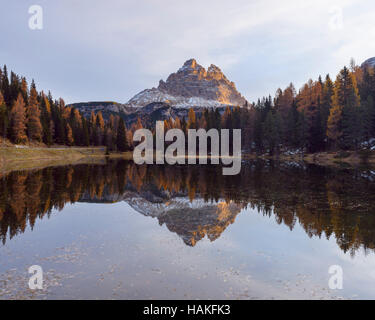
<point>192,86</point>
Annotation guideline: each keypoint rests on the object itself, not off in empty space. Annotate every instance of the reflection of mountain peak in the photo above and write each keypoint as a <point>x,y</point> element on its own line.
<point>340,200</point>
<point>195,222</point>
<point>192,220</point>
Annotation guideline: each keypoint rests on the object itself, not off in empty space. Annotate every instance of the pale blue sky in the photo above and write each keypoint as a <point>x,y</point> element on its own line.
<point>110,50</point>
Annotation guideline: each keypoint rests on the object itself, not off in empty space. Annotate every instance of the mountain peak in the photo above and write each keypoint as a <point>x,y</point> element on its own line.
<point>369,63</point>
<point>192,86</point>
<point>191,63</point>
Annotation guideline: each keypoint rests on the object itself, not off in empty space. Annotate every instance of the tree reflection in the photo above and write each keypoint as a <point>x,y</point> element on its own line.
<point>198,201</point>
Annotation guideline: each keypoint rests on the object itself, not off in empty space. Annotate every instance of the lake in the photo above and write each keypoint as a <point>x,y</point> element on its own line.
<point>117,230</point>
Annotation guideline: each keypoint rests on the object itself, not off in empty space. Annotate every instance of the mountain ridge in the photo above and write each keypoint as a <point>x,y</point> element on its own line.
<point>191,86</point>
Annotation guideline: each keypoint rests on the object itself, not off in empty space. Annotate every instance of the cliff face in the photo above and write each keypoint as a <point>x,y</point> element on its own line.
<point>192,86</point>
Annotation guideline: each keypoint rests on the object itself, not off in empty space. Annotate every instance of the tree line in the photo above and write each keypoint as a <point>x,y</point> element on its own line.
<point>29,116</point>
<point>322,115</point>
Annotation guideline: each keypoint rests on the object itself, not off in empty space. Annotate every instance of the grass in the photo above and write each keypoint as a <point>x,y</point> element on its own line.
<point>22,158</point>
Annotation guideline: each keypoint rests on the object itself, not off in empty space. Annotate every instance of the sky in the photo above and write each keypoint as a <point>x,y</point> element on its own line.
<point>92,50</point>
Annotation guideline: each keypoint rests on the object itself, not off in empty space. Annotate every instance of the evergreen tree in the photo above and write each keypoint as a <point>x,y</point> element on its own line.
<point>367,119</point>
<point>85,133</point>
<point>5,87</point>
<point>121,140</point>
<point>3,117</point>
<point>342,121</point>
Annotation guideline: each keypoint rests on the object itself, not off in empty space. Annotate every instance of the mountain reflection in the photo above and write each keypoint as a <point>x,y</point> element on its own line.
<point>198,201</point>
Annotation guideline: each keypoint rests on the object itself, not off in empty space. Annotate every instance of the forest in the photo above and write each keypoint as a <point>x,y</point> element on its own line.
<point>29,116</point>
<point>323,115</point>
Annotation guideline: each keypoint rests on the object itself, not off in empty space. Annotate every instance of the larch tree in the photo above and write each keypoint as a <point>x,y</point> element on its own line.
<point>34,126</point>
<point>69,135</point>
<point>18,120</point>
<point>46,119</point>
<point>191,123</point>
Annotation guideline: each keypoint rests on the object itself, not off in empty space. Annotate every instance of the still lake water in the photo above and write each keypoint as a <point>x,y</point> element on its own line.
<point>121,231</point>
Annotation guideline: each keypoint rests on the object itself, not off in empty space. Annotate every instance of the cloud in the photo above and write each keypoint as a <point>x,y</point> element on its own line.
<point>112,50</point>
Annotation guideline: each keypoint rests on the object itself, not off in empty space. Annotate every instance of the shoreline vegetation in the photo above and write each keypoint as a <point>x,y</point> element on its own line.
<point>37,156</point>
<point>28,157</point>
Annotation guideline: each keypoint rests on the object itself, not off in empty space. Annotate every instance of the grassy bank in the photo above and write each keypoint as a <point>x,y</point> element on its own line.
<point>32,157</point>
<point>25,157</point>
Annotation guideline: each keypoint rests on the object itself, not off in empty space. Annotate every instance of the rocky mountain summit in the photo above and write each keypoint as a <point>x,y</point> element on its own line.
<point>369,63</point>
<point>192,86</point>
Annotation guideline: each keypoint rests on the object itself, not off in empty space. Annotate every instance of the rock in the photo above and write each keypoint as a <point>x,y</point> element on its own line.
<point>192,86</point>
<point>369,63</point>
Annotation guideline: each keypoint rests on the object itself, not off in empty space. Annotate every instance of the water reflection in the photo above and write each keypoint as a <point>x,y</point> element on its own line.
<point>198,201</point>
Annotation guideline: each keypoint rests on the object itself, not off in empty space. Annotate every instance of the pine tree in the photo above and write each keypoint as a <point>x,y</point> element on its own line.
<point>271,131</point>
<point>121,140</point>
<point>85,133</point>
<point>367,119</point>
<point>342,122</point>
<point>5,87</point>
<point>3,117</point>
<point>328,90</point>
<point>291,127</point>
<point>334,125</point>
<point>92,128</point>
<point>99,129</point>
<point>18,120</point>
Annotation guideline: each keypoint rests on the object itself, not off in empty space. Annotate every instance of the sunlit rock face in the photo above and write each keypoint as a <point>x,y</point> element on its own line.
<point>192,86</point>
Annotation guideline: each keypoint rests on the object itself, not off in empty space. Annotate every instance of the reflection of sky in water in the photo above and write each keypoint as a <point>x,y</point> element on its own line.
<point>112,251</point>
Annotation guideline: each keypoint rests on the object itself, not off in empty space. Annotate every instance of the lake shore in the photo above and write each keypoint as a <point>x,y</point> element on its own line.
<point>327,158</point>
<point>27,157</point>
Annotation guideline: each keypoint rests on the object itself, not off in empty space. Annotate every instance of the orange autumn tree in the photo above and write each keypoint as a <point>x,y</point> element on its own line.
<point>18,120</point>
<point>69,135</point>
<point>34,126</point>
<point>191,124</point>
